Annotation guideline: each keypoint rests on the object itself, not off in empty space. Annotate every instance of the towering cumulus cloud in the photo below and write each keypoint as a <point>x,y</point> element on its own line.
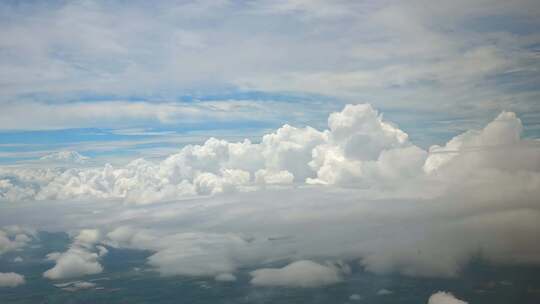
<point>357,193</point>
<point>358,149</point>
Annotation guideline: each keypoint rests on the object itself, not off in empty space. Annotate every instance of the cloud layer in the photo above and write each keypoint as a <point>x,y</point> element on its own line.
<point>359,149</point>
<point>358,193</point>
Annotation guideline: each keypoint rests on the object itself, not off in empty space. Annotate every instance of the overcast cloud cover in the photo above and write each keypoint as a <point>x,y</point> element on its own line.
<point>302,140</point>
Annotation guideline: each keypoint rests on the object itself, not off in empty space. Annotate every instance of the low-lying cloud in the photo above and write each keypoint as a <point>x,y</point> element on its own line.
<point>297,274</point>
<point>82,257</point>
<point>14,238</point>
<point>11,279</point>
<point>442,297</point>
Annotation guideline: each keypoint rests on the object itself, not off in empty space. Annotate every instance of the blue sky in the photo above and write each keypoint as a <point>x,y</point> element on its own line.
<point>138,79</point>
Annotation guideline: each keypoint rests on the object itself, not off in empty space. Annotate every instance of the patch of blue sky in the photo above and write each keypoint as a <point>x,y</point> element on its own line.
<point>18,145</point>
<point>50,137</point>
<point>209,94</point>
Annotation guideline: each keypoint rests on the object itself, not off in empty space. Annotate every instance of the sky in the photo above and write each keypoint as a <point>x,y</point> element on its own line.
<point>225,135</point>
<point>144,77</point>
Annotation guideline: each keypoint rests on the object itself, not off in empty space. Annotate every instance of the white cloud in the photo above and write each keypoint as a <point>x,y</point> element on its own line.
<point>11,279</point>
<point>79,260</point>
<point>119,113</point>
<point>303,273</point>
<point>358,148</point>
<point>442,297</point>
<point>264,176</point>
<point>497,146</point>
<point>406,219</point>
<point>225,277</point>
<point>76,285</point>
<point>196,254</point>
<point>65,156</point>
<point>14,237</point>
<point>384,292</point>
<point>448,55</point>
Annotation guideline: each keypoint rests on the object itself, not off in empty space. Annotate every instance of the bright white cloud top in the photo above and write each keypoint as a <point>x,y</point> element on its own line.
<point>295,196</point>
<point>359,149</point>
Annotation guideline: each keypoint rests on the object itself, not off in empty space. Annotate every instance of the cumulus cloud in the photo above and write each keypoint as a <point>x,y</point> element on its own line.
<point>11,279</point>
<point>14,237</point>
<point>442,297</point>
<point>198,254</point>
<point>498,146</point>
<point>80,259</point>
<point>358,148</point>
<point>359,192</point>
<point>302,273</point>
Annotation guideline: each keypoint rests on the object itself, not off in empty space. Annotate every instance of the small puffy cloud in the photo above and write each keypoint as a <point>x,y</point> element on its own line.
<point>225,277</point>
<point>303,273</point>
<point>18,259</point>
<point>76,285</point>
<point>74,263</point>
<point>14,237</point>
<point>355,297</point>
<point>80,259</point>
<point>442,297</point>
<point>87,237</point>
<point>11,279</point>
<point>384,292</point>
<point>102,251</point>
